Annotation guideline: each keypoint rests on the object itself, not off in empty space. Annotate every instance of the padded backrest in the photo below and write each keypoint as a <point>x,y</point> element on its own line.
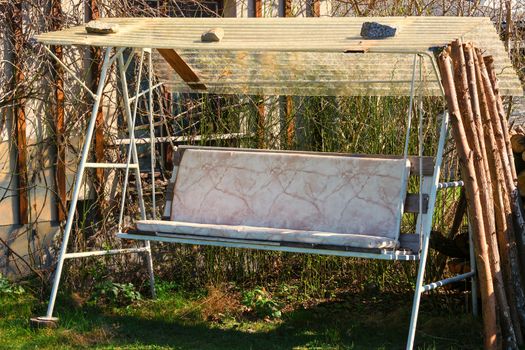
<point>289,190</point>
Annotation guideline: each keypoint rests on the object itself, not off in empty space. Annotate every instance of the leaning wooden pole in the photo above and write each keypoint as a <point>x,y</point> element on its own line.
<point>501,222</point>
<point>501,169</point>
<point>474,205</point>
<point>499,240</point>
<point>489,64</point>
<point>485,191</point>
<point>517,209</point>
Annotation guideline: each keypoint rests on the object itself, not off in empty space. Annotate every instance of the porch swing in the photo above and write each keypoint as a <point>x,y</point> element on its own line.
<point>303,202</point>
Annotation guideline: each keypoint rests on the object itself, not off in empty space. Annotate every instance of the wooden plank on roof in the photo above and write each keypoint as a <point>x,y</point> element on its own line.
<point>280,34</point>
<point>183,70</point>
<point>257,53</point>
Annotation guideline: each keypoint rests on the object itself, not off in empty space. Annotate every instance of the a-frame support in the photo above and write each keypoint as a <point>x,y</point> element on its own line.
<point>131,163</point>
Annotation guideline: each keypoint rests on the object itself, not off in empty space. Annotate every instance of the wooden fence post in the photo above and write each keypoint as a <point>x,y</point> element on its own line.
<point>59,114</point>
<point>19,112</point>
<point>96,67</point>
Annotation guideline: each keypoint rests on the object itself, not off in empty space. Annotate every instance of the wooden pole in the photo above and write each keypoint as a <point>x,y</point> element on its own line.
<point>96,67</point>
<point>501,222</point>
<point>58,76</point>
<point>289,117</point>
<point>517,209</point>
<point>261,108</point>
<point>258,8</point>
<point>489,64</point>
<point>485,191</point>
<point>288,8</point>
<point>290,122</point>
<point>314,8</point>
<point>261,123</point>
<point>506,237</point>
<point>474,205</point>
<point>496,124</point>
<point>20,114</point>
<point>509,318</point>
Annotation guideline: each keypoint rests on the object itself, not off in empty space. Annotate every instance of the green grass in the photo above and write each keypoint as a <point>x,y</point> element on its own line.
<point>218,320</point>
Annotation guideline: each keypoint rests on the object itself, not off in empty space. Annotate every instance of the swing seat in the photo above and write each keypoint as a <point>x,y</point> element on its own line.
<point>264,234</point>
<point>289,198</point>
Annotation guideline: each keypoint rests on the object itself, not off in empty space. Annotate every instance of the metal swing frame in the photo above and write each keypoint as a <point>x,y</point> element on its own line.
<point>428,184</point>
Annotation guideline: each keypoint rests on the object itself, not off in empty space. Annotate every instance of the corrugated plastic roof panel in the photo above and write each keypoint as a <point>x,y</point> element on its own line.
<point>301,56</point>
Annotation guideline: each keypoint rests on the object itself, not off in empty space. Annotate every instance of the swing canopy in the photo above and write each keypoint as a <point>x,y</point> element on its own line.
<point>298,56</point>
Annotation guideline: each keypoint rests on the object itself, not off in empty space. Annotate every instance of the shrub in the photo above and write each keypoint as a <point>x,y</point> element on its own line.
<point>260,301</point>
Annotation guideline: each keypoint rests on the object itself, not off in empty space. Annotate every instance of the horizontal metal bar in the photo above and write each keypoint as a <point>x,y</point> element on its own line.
<point>105,252</point>
<point>386,255</point>
<point>441,283</point>
<point>451,184</point>
<point>166,139</point>
<point>131,99</point>
<point>111,165</point>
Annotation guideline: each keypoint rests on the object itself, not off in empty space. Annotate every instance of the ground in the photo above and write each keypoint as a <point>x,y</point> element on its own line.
<point>219,318</point>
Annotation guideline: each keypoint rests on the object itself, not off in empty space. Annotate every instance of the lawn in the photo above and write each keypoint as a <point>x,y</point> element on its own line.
<point>227,318</point>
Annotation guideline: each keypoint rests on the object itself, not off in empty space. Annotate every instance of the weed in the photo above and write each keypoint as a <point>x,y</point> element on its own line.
<point>260,301</point>
<point>8,288</point>
<point>165,288</point>
<point>116,294</point>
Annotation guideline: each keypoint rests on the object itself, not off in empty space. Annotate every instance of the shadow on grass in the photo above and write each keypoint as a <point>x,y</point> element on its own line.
<point>355,322</point>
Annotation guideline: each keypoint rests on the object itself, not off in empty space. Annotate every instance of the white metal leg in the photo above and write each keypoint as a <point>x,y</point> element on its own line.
<point>83,165</point>
<point>78,183</point>
<point>427,227</point>
<point>151,135</point>
<point>417,294</point>
<point>131,117</point>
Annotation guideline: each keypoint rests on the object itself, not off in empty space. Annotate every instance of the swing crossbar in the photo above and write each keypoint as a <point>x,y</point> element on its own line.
<point>105,252</point>
<point>434,285</point>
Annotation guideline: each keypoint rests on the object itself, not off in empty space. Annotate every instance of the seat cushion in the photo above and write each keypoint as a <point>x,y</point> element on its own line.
<point>266,234</point>
<point>291,191</point>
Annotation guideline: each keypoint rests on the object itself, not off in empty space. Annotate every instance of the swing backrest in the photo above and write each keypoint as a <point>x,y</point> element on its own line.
<point>326,192</point>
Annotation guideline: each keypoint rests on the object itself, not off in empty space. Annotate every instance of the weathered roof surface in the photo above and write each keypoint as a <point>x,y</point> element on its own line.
<point>300,56</point>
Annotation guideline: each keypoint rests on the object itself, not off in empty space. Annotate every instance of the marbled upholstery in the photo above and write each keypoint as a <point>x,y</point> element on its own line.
<point>288,197</point>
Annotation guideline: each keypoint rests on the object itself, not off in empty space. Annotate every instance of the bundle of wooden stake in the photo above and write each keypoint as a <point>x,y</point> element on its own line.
<point>480,132</point>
